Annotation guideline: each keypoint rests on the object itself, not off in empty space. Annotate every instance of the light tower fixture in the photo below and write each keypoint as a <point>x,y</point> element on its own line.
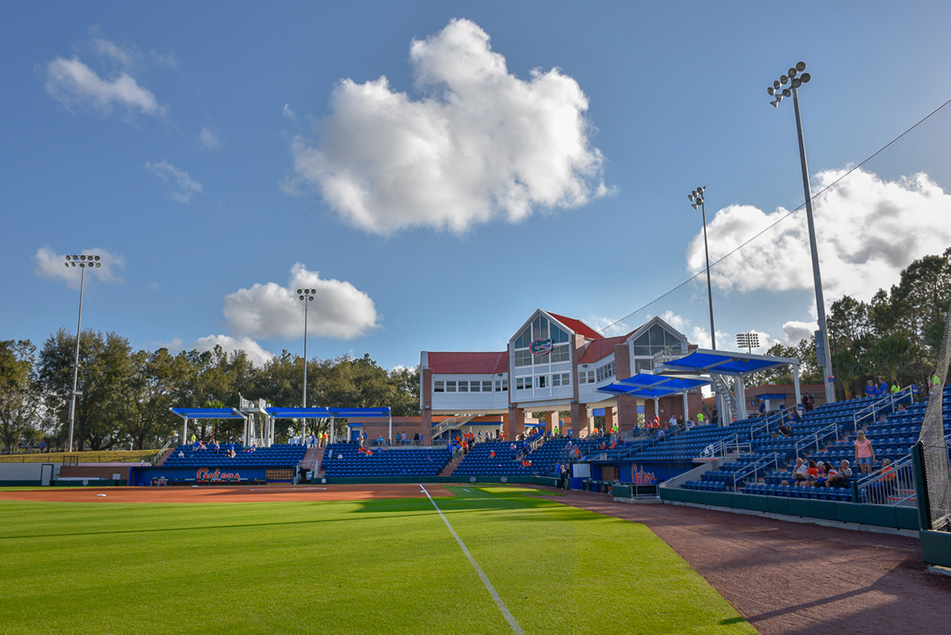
<point>84,262</point>
<point>696,201</point>
<point>749,341</point>
<point>307,296</point>
<point>795,77</point>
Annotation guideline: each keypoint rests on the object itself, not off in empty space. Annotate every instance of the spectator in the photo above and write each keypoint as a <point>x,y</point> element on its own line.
<point>895,387</point>
<point>785,430</point>
<point>885,486</point>
<point>864,452</point>
<point>812,473</point>
<point>800,475</point>
<point>935,383</point>
<point>882,390</point>
<point>869,389</point>
<point>845,474</point>
<point>829,475</point>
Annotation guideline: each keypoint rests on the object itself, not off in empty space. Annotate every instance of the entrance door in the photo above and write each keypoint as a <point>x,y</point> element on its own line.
<point>46,474</point>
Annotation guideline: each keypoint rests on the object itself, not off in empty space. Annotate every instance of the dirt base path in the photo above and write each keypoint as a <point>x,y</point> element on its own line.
<point>787,577</point>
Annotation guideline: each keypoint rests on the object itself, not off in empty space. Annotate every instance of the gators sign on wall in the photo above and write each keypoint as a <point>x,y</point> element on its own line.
<point>540,347</point>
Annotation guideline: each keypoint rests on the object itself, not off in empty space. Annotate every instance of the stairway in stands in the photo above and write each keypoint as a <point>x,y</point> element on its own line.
<point>311,458</point>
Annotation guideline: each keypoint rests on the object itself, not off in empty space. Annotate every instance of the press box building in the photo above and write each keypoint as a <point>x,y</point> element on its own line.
<point>552,364</point>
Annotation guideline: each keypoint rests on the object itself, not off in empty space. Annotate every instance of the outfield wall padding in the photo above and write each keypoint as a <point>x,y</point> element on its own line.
<point>857,513</point>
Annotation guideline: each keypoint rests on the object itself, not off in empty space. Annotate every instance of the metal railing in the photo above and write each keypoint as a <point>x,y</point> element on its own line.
<point>452,423</point>
<point>820,435</point>
<point>893,485</point>
<point>158,455</point>
<point>753,469</point>
<point>719,447</point>
<point>887,403</point>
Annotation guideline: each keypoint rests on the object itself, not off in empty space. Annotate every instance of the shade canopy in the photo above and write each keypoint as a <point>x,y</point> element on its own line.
<point>705,361</point>
<point>208,413</point>
<point>648,386</point>
<point>326,413</point>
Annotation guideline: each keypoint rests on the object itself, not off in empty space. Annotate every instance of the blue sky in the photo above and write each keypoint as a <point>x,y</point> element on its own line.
<point>438,170</point>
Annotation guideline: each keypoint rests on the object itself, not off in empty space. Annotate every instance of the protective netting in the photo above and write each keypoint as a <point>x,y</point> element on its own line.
<point>934,448</point>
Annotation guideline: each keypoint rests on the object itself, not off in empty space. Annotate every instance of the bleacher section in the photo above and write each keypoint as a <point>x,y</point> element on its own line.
<point>397,461</point>
<point>892,435</point>
<point>810,437</point>
<point>279,455</point>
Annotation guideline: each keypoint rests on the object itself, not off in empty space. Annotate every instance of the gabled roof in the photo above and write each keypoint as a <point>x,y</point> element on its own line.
<point>478,363</point>
<point>577,326</point>
<point>599,349</point>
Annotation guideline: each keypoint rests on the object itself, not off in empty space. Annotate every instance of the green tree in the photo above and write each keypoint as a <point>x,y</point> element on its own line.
<point>19,393</point>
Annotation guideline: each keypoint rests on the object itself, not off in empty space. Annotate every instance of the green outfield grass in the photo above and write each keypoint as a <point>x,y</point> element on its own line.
<point>385,566</point>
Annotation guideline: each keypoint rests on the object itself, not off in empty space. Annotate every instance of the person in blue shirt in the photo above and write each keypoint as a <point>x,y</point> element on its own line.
<point>882,388</point>
<point>869,389</point>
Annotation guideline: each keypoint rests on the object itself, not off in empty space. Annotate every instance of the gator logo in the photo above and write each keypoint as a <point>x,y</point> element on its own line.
<point>540,347</point>
<point>217,476</point>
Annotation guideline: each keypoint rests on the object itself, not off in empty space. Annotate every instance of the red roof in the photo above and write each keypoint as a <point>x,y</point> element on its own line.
<point>599,349</point>
<point>459,363</point>
<point>577,326</point>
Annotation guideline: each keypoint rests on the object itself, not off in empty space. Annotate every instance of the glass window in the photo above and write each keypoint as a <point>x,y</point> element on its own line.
<point>561,379</point>
<point>523,383</point>
<point>450,386</point>
<point>502,386</point>
<point>463,386</point>
<point>486,386</point>
<point>523,357</point>
<point>541,381</point>
<point>560,353</point>
<point>542,359</point>
<point>439,386</point>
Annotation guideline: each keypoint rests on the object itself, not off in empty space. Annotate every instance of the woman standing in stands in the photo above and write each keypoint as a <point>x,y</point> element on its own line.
<point>864,452</point>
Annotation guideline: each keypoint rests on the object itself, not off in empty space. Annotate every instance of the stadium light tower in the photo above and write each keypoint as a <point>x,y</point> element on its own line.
<point>307,295</point>
<point>795,77</point>
<point>696,200</point>
<point>83,262</point>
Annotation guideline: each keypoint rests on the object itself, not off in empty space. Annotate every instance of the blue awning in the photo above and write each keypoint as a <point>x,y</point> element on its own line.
<point>706,361</point>
<point>208,413</point>
<point>648,386</point>
<point>772,395</point>
<point>326,413</point>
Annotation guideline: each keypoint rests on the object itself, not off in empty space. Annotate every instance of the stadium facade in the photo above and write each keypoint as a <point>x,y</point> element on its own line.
<point>552,364</point>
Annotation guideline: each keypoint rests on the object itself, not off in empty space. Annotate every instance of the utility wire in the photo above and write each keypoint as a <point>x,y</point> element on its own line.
<point>777,221</point>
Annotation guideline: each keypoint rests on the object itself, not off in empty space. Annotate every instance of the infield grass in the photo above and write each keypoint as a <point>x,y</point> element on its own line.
<point>382,566</point>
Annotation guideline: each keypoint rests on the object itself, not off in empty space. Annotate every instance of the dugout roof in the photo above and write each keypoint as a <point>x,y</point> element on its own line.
<point>208,413</point>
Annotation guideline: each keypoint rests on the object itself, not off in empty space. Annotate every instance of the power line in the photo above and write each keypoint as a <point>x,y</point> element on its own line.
<point>779,220</point>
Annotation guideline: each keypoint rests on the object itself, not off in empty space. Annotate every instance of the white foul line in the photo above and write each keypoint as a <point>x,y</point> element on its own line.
<point>485,580</point>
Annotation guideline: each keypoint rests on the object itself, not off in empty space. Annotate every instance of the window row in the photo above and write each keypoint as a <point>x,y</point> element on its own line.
<point>559,353</point>
<point>543,381</point>
<point>462,385</point>
<point>596,376</point>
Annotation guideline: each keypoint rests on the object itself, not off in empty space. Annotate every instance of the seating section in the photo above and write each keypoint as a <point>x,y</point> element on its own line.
<point>498,458</point>
<point>278,455</point>
<point>346,460</point>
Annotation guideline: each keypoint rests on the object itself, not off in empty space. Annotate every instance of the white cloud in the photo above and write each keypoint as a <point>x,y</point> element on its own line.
<point>50,264</point>
<point>256,355</point>
<point>186,185</point>
<point>479,144</point>
<point>697,334</point>
<point>867,229</point>
<point>339,310</point>
<point>118,54</point>
<point>794,331</point>
<point>73,83</point>
<point>289,113</point>
<point>608,327</point>
<point>209,139</point>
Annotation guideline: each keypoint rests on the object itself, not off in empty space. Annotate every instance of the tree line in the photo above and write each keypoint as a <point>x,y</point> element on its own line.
<point>896,335</point>
<point>127,394</point>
